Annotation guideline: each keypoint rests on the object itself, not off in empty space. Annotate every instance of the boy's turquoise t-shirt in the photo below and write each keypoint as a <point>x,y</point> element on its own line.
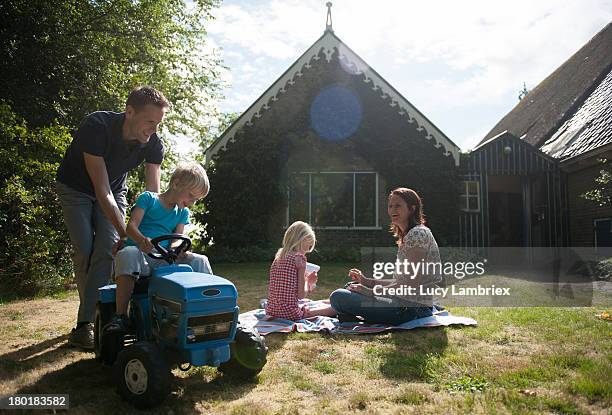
<point>157,219</point>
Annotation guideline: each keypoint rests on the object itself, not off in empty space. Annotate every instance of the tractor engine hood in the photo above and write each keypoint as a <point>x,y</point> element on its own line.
<point>193,291</point>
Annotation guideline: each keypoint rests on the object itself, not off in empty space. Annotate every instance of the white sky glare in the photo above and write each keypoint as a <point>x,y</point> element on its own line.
<point>461,63</point>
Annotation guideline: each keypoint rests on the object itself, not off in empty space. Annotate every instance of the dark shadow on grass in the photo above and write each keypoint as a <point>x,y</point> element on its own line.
<point>32,357</point>
<point>91,385</point>
<point>275,341</point>
<point>415,354</point>
<point>88,384</point>
<point>410,355</point>
<point>194,389</point>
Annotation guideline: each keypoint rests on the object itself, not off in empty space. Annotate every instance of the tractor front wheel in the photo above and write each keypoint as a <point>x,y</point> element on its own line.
<point>142,374</point>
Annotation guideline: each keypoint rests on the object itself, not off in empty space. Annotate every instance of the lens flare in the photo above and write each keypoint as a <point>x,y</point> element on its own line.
<point>335,113</point>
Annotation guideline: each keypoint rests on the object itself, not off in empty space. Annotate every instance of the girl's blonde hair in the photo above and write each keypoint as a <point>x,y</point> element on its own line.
<point>294,236</point>
<point>190,176</point>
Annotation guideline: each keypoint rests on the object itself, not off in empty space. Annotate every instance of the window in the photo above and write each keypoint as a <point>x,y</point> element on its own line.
<point>470,196</point>
<point>334,199</point>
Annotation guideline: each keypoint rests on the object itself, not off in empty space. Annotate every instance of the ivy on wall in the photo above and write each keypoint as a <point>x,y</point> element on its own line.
<point>248,199</point>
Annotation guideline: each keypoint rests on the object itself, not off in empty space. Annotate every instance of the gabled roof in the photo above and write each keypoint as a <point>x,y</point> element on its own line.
<point>543,110</point>
<point>507,154</point>
<point>327,44</point>
<point>590,127</point>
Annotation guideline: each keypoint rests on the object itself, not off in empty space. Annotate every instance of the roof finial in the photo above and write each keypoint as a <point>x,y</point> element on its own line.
<point>328,20</point>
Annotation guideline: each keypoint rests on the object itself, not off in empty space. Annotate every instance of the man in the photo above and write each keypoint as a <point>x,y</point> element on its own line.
<point>91,185</point>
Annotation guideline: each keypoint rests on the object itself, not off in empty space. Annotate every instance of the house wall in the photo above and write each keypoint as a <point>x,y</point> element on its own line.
<point>583,212</point>
<point>507,162</point>
<point>385,142</point>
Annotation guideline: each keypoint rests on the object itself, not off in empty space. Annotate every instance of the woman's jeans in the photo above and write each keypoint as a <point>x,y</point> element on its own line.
<point>377,310</point>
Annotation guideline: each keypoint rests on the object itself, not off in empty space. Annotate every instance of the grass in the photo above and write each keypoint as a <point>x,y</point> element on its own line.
<point>516,361</point>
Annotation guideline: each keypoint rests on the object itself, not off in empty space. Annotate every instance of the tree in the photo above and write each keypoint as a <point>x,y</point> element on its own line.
<point>602,192</point>
<point>61,61</point>
<point>34,248</point>
<point>66,58</point>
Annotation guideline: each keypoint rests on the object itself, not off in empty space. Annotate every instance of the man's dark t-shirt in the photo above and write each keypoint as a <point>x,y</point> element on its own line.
<point>100,134</point>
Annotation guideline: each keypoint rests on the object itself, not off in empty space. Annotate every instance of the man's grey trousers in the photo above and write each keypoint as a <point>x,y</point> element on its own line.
<point>92,236</point>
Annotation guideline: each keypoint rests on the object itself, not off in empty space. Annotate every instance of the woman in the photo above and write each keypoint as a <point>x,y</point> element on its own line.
<point>416,244</point>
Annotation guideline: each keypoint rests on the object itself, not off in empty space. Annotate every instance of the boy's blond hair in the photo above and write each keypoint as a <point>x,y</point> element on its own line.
<point>190,176</point>
<point>295,234</point>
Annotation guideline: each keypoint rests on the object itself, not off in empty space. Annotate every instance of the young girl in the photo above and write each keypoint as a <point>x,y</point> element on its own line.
<point>289,281</point>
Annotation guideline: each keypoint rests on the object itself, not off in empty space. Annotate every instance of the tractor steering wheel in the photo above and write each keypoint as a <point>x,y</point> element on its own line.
<point>170,254</point>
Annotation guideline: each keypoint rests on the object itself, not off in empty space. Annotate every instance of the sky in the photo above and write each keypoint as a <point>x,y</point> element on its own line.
<point>461,63</point>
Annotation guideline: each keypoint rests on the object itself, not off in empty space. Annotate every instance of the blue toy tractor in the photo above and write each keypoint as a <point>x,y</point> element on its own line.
<point>177,317</point>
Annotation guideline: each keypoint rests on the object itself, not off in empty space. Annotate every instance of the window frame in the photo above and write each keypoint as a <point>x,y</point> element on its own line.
<point>354,208</point>
<point>465,196</point>
<point>595,221</point>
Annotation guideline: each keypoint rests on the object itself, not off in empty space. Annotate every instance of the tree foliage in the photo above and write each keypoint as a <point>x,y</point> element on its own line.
<point>65,59</point>
<point>246,196</point>
<point>602,191</point>
<point>34,248</point>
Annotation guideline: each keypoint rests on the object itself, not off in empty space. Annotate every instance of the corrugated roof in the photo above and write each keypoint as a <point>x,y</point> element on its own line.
<point>539,114</point>
<point>589,127</point>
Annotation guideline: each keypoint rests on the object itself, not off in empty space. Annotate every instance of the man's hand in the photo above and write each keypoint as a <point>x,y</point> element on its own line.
<point>117,246</point>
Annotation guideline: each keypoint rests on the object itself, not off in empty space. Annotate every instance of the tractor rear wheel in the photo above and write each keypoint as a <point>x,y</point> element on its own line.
<point>248,355</point>
<point>106,346</point>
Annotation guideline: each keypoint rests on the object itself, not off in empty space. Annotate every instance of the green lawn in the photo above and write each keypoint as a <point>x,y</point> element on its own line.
<point>516,361</point>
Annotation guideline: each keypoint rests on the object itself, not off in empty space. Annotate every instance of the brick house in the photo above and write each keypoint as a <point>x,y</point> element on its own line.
<point>345,137</point>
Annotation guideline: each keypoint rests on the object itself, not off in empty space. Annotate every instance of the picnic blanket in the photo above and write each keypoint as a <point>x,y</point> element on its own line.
<point>265,324</point>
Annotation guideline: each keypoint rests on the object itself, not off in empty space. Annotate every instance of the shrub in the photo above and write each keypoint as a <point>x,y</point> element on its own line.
<point>266,252</point>
<point>603,269</point>
<point>34,248</point>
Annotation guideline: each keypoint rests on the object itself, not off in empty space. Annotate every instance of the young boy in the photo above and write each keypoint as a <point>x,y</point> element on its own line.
<point>155,215</point>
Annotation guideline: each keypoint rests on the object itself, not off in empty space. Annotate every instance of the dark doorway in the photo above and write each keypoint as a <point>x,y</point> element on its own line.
<point>603,233</point>
<point>505,211</point>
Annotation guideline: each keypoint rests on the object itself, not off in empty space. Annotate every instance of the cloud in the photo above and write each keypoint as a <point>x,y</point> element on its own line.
<point>443,56</point>
<point>267,28</point>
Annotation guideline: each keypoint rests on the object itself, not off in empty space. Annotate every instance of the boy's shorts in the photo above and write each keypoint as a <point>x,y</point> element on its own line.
<point>132,261</point>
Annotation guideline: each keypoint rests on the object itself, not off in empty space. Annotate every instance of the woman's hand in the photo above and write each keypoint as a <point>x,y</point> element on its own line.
<point>360,289</point>
<point>356,275</point>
